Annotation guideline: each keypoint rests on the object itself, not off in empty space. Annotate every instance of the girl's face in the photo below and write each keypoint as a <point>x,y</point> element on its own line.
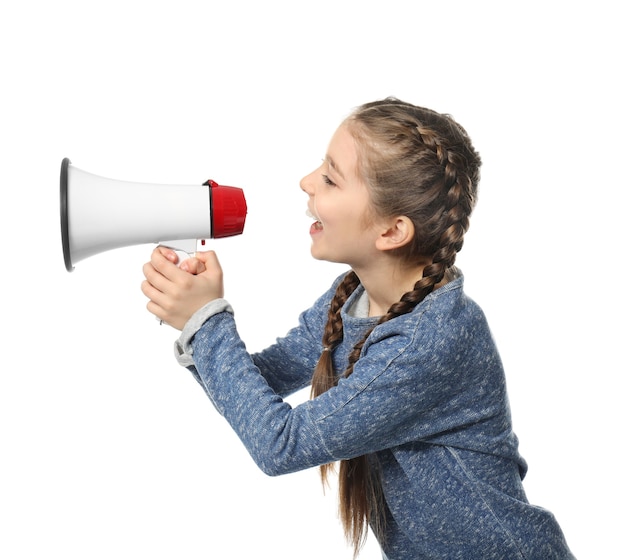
<point>344,230</point>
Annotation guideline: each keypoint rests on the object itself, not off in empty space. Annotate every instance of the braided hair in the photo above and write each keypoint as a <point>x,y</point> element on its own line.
<point>420,164</point>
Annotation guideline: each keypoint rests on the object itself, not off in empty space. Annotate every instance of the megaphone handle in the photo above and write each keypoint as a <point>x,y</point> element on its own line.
<point>184,248</point>
<point>182,255</point>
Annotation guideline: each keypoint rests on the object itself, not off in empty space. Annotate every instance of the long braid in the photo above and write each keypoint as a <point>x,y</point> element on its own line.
<point>324,377</point>
<point>451,173</point>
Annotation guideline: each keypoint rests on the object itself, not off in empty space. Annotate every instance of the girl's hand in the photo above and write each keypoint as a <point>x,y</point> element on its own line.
<point>175,293</point>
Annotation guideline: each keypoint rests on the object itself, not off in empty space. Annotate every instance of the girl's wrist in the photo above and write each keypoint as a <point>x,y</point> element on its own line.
<point>182,346</point>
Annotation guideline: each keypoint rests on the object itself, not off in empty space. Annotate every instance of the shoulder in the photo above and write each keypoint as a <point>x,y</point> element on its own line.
<point>446,320</point>
<point>444,343</point>
<point>450,308</point>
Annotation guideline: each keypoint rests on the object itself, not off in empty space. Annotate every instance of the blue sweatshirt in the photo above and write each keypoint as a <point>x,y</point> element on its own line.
<point>426,402</point>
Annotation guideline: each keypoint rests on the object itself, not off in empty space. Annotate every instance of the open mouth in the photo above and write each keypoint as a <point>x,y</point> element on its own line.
<point>317,224</point>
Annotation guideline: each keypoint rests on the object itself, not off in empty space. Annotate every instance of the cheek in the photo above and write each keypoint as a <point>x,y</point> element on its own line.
<point>323,210</point>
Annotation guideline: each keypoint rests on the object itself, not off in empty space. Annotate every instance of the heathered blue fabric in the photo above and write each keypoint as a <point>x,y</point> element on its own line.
<point>426,402</point>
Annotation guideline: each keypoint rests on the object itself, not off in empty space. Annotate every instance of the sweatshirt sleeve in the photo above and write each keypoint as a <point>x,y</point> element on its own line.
<point>395,395</point>
<point>182,347</point>
<point>288,365</point>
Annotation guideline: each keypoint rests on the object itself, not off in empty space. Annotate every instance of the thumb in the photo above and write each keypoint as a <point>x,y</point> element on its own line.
<point>209,258</point>
<point>210,261</point>
<point>193,266</point>
<point>201,262</point>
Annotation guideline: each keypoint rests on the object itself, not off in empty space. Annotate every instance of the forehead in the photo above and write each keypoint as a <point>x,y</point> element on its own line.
<point>342,153</point>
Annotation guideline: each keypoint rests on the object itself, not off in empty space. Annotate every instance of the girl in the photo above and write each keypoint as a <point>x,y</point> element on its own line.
<point>408,391</point>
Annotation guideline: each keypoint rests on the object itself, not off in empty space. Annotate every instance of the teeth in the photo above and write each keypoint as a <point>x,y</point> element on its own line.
<point>311,215</point>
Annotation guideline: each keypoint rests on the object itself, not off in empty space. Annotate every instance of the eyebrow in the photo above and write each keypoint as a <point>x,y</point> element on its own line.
<point>332,164</point>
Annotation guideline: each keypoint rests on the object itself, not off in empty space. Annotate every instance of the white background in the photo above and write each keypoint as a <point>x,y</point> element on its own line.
<point>108,448</point>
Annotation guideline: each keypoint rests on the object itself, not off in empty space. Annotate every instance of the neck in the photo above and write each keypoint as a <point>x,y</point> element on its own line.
<point>385,285</point>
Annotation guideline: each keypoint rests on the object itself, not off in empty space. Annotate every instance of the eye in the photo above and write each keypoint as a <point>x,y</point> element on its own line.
<point>328,181</point>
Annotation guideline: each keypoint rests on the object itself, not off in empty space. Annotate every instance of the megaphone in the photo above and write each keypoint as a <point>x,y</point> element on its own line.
<point>100,214</point>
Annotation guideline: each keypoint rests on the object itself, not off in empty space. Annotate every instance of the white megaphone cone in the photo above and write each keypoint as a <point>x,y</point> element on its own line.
<point>99,214</point>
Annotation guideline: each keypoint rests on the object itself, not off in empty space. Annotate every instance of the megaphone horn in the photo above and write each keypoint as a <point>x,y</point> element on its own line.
<point>99,214</point>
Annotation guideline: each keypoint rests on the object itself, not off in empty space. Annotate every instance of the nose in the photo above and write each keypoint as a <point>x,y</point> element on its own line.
<point>307,184</point>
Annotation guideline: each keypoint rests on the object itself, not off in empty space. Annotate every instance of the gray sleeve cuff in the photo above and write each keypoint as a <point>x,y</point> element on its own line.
<point>182,347</point>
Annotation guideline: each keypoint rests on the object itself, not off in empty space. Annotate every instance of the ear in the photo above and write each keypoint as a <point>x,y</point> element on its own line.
<point>399,232</point>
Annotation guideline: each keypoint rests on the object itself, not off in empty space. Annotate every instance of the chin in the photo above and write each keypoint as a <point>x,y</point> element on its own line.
<point>324,258</point>
<point>317,257</point>
<point>317,254</point>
